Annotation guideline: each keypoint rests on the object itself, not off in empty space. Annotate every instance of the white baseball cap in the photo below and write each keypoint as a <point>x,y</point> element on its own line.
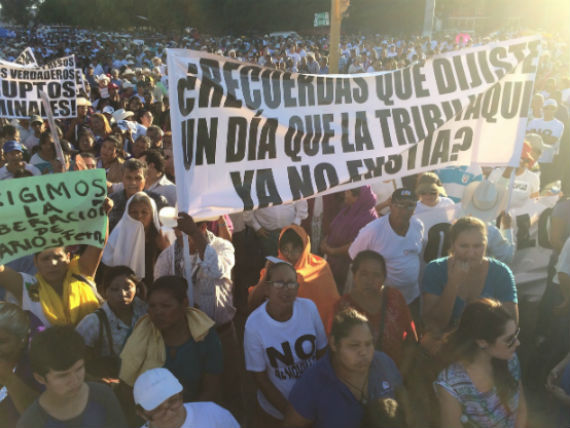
<point>154,387</point>
<point>484,200</point>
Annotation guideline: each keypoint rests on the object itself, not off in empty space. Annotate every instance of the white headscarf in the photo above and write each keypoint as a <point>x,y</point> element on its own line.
<point>126,244</point>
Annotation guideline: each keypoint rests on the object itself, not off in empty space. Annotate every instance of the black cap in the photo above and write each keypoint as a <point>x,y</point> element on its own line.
<point>404,194</point>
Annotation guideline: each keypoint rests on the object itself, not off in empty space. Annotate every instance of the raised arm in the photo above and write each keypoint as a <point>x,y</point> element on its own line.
<point>91,257</point>
<point>258,293</point>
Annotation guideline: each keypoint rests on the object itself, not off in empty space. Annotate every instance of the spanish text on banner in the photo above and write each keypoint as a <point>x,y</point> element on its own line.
<point>52,211</point>
<point>20,88</point>
<point>245,136</point>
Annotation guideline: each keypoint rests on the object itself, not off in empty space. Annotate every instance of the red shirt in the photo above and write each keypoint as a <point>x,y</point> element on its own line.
<point>398,322</point>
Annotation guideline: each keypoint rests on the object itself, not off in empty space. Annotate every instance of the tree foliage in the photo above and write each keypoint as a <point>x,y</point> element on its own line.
<point>19,11</point>
<point>229,16</point>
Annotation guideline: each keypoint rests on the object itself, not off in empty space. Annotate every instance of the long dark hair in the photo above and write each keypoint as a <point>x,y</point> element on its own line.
<point>484,319</point>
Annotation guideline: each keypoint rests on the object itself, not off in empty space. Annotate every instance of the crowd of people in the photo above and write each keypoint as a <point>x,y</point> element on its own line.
<point>338,311</point>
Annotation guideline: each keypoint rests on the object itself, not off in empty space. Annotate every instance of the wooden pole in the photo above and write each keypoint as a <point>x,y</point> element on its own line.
<point>338,8</point>
<point>334,38</point>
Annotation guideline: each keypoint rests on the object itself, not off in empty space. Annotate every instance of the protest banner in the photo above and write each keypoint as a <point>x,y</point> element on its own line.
<point>80,83</point>
<point>27,58</point>
<point>246,137</point>
<point>20,87</point>
<point>52,211</point>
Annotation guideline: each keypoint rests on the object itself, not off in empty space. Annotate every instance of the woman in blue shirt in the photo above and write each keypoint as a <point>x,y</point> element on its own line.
<point>450,283</point>
<point>338,389</point>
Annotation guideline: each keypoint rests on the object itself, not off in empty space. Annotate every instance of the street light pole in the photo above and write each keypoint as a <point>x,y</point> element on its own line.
<point>338,8</point>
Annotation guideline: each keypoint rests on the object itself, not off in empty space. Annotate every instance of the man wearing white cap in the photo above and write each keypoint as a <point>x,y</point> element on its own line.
<point>82,119</point>
<point>399,237</point>
<point>158,396</point>
<point>108,112</point>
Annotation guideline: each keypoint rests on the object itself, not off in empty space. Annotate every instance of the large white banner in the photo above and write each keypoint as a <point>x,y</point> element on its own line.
<point>21,84</point>
<point>28,60</point>
<point>246,136</point>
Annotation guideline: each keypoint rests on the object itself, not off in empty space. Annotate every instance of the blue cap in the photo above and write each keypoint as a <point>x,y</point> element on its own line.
<point>10,146</point>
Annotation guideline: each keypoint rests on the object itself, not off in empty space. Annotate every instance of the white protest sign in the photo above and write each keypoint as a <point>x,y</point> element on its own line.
<point>80,84</point>
<point>27,58</point>
<point>246,137</point>
<point>20,88</point>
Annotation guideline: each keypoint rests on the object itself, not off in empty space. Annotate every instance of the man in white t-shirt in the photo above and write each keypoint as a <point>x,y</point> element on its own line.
<point>283,337</point>
<point>32,138</point>
<point>398,237</point>
<point>550,129</point>
<point>158,397</point>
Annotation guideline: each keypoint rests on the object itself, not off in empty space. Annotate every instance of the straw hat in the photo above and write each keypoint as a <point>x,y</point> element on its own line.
<point>484,200</point>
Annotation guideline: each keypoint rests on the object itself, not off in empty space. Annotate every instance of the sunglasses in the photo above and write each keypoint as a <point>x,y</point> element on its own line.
<point>511,342</point>
<point>281,284</point>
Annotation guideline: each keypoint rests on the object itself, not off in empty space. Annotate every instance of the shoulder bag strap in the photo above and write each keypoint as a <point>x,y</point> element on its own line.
<point>90,284</point>
<point>99,341</point>
<point>105,321</point>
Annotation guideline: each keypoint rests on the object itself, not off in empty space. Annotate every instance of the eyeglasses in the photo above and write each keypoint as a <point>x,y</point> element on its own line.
<point>281,284</point>
<point>511,342</point>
